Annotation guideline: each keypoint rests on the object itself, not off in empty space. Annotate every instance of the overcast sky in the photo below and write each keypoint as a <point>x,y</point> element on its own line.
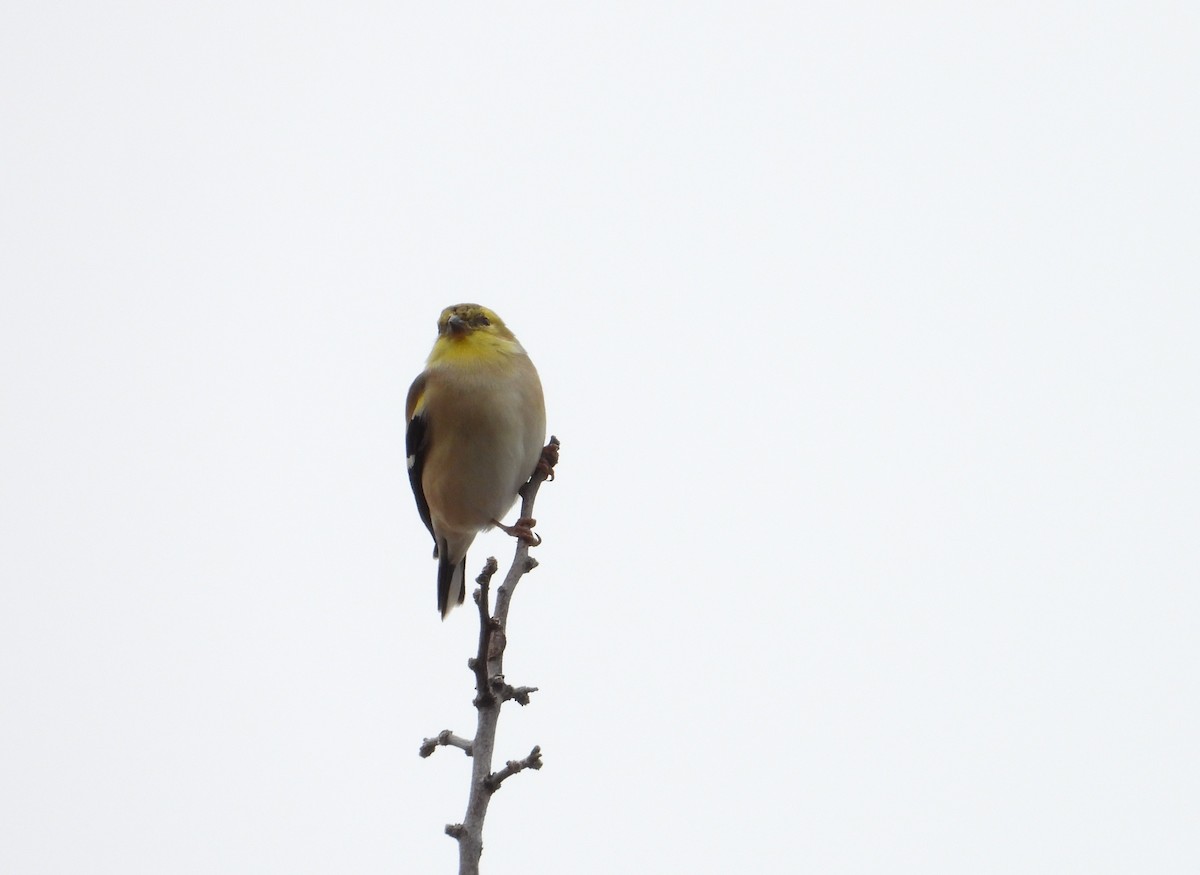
<point>869,331</point>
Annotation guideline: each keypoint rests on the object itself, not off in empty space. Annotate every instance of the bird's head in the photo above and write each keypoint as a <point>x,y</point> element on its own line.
<point>461,321</point>
<point>471,334</point>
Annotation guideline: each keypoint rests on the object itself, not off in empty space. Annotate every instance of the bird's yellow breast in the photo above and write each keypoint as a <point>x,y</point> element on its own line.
<point>477,348</point>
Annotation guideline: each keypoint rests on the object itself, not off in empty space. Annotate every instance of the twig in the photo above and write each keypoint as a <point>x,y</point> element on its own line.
<point>533,761</point>
<point>483,693</point>
<point>518,694</point>
<point>445,738</point>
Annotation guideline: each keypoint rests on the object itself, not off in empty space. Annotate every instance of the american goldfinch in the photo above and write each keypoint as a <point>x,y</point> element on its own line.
<point>476,425</point>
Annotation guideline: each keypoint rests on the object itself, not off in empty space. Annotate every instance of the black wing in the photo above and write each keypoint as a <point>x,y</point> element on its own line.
<point>415,444</point>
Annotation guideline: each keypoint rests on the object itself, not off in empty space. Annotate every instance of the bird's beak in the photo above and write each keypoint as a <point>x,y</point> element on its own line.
<point>456,325</point>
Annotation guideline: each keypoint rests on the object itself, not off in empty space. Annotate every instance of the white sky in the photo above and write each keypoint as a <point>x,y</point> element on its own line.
<point>869,331</point>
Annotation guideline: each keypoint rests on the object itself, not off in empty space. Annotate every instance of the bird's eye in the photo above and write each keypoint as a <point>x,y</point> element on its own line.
<point>482,320</point>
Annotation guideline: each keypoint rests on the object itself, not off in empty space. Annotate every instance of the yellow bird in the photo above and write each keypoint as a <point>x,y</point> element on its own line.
<point>476,426</point>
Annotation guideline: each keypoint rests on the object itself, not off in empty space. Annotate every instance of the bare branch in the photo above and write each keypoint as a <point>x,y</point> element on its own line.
<point>533,761</point>
<point>491,689</point>
<point>445,738</point>
<point>483,693</point>
<point>518,694</point>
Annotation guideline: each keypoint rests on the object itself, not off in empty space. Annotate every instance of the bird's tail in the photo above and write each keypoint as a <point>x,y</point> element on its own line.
<point>451,582</point>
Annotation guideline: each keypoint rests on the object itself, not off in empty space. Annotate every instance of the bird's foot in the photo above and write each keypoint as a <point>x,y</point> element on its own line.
<point>548,459</point>
<point>544,470</point>
<point>522,529</point>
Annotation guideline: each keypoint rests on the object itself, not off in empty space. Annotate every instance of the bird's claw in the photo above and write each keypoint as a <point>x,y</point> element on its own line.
<point>548,459</point>
<point>522,529</point>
